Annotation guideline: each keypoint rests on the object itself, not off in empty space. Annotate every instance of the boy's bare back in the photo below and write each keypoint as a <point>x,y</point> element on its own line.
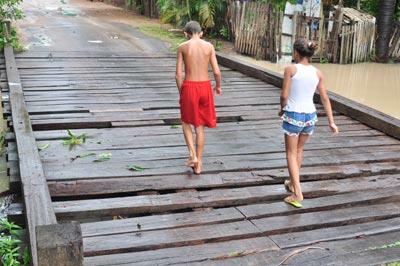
<point>197,55</point>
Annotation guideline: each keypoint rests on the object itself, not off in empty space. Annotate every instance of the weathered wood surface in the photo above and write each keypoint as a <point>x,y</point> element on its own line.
<point>127,105</point>
<point>38,207</point>
<point>60,244</point>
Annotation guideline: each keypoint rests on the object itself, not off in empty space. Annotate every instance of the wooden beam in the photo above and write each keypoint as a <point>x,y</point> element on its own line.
<point>39,210</point>
<point>366,115</point>
<point>60,244</point>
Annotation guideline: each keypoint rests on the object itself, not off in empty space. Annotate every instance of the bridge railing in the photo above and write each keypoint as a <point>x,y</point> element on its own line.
<point>51,243</point>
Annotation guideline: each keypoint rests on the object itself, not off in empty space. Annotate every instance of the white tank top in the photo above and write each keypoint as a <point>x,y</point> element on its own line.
<point>302,89</point>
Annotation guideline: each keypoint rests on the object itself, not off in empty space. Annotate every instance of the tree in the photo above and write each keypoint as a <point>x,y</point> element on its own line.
<point>384,27</point>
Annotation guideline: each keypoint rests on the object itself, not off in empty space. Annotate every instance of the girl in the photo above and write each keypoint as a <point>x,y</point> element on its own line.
<point>298,111</point>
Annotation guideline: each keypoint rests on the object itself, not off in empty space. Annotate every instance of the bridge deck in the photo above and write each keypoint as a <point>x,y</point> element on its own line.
<point>233,213</point>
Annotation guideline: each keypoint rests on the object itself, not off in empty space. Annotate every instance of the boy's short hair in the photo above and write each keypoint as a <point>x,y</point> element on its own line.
<point>192,27</point>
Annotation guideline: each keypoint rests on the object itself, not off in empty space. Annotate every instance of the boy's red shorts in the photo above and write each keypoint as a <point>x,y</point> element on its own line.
<point>197,104</point>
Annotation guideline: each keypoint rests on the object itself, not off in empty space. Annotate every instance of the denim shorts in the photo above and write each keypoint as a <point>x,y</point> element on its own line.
<point>298,123</point>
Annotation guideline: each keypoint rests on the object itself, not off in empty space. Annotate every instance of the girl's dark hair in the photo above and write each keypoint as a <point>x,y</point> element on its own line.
<point>304,47</point>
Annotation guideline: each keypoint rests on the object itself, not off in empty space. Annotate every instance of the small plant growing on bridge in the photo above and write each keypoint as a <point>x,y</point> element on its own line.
<point>71,140</point>
<point>11,244</point>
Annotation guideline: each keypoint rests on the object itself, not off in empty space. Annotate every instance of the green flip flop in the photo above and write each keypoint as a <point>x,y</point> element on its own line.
<point>294,203</point>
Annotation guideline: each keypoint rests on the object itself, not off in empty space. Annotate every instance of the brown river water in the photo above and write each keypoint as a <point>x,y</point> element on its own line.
<point>372,84</point>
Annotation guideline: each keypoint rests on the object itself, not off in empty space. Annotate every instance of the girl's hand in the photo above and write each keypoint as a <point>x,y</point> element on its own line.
<point>281,112</point>
<point>334,128</point>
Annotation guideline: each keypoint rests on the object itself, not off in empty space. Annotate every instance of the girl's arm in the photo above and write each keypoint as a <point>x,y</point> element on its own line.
<point>287,80</point>
<point>326,102</point>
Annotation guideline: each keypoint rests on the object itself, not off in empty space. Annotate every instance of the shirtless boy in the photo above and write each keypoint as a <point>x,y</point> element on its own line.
<point>196,96</point>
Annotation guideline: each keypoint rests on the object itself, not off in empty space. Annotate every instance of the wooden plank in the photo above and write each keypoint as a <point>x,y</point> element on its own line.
<point>149,240</point>
<point>39,210</point>
<point>226,179</point>
<point>127,242</point>
<point>181,255</point>
<point>225,163</point>
<point>342,200</point>
<point>297,239</point>
<point>358,251</point>
<point>164,221</point>
<point>322,219</point>
<point>211,198</point>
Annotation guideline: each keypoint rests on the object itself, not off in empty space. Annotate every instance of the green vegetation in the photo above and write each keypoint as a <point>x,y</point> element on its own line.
<point>391,245</point>
<point>83,155</point>
<point>210,13</point>
<point>12,40</point>
<point>279,4</point>
<point>11,251</point>
<point>9,10</point>
<point>103,157</point>
<point>397,263</point>
<point>43,146</point>
<point>371,6</point>
<point>136,168</point>
<point>71,140</point>
<point>2,141</point>
<point>161,33</point>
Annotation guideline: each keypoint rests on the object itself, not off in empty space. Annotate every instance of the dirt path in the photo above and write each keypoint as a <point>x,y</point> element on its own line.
<point>80,25</point>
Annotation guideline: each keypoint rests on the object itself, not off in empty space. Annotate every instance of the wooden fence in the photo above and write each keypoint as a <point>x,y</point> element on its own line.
<point>394,50</point>
<point>255,28</point>
<point>357,42</point>
<point>345,37</point>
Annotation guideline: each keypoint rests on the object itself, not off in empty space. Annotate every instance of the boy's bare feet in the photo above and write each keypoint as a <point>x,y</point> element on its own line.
<point>198,167</point>
<point>191,162</point>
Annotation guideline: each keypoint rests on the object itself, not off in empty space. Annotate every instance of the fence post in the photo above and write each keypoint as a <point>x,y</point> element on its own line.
<point>59,244</point>
<point>7,25</point>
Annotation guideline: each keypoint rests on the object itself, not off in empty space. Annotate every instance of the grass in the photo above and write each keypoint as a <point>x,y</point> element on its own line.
<point>162,33</point>
<point>11,251</point>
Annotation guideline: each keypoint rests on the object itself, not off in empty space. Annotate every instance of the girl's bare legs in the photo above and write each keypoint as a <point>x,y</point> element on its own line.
<point>291,144</point>
<point>303,138</point>
<point>199,148</point>
<point>187,132</point>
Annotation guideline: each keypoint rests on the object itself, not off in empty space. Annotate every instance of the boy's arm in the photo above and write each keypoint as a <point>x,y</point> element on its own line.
<point>216,71</point>
<point>326,102</point>
<point>179,68</point>
<point>287,80</point>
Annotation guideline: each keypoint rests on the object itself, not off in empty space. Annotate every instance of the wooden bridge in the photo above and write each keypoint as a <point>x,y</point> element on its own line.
<point>136,202</point>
